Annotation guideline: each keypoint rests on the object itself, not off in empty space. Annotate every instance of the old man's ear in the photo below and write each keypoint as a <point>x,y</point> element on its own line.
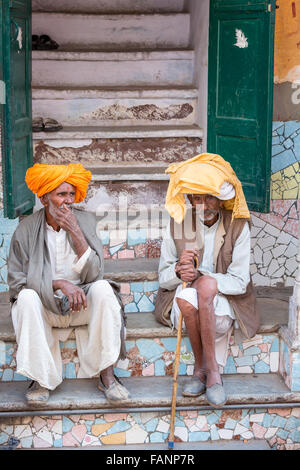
<point>44,199</point>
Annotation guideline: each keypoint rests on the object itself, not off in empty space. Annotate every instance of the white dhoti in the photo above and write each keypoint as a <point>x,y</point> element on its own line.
<point>38,332</point>
<point>224,323</point>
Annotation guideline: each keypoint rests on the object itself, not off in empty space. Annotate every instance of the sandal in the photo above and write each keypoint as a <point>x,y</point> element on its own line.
<point>116,393</point>
<point>37,124</point>
<point>34,41</point>
<point>45,43</point>
<point>36,394</point>
<point>51,125</point>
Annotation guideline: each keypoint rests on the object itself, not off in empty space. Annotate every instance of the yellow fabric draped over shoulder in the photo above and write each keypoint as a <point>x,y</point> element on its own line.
<point>42,179</point>
<point>203,174</point>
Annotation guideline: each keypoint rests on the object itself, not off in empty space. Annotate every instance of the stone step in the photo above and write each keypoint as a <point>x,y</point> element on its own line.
<point>274,314</point>
<point>78,416</point>
<point>77,31</point>
<point>107,6</point>
<point>75,137</point>
<point>112,69</point>
<point>149,393</point>
<point>151,346</point>
<point>133,107</point>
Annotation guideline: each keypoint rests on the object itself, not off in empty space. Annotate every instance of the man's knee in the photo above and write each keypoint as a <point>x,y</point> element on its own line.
<point>187,309</point>
<point>26,296</point>
<point>101,287</point>
<point>207,288</point>
<point>102,291</point>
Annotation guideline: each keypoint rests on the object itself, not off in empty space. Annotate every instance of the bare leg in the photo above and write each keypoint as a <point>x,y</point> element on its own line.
<point>107,376</point>
<point>191,320</point>
<point>206,290</point>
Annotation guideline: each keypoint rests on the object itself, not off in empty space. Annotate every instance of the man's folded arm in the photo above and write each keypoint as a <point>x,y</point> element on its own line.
<point>237,277</point>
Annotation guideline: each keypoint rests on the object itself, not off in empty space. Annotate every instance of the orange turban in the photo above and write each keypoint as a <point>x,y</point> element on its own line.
<point>43,179</point>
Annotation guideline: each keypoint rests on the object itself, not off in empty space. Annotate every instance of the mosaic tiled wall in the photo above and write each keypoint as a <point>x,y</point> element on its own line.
<point>275,235</point>
<point>289,366</point>
<point>155,357</point>
<point>279,427</point>
<point>7,228</point>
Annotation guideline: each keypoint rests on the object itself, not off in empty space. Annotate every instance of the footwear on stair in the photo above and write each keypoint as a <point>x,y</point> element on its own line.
<point>216,396</point>
<point>116,393</point>
<point>36,394</point>
<point>194,387</point>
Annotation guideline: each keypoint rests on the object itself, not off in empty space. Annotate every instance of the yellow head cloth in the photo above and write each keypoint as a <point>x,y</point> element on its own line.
<point>43,179</point>
<point>203,174</point>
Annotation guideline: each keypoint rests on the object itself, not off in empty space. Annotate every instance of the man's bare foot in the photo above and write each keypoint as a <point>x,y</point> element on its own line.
<point>107,376</point>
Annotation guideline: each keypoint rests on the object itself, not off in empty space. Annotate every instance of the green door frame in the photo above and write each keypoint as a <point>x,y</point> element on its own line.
<point>17,152</point>
<point>235,131</point>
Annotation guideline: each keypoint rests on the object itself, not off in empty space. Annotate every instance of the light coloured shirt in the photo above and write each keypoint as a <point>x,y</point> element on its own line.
<point>65,263</point>
<point>233,282</point>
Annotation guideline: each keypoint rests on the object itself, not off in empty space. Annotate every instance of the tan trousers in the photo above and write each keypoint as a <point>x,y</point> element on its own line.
<point>39,331</point>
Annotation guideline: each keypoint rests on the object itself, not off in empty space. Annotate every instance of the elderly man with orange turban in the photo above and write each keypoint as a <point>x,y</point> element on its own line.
<point>215,233</point>
<point>55,277</point>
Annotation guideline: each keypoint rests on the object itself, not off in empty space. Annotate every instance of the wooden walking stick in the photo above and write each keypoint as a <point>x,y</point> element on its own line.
<point>175,374</point>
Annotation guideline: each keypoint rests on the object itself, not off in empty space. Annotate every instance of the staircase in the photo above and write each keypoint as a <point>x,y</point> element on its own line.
<point>260,408</point>
<point>122,84</point>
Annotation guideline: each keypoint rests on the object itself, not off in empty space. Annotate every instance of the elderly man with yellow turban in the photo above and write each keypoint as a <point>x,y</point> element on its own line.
<point>208,248</point>
<point>55,277</point>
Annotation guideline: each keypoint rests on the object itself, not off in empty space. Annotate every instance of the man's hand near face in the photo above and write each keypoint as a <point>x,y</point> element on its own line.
<point>66,219</point>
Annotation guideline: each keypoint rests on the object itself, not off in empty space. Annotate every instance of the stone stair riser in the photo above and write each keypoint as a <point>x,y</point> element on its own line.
<point>114,32</point>
<point>280,427</point>
<point>289,366</point>
<point>107,6</point>
<point>121,112</point>
<point>112,73</point>
<point>155,357</point>
<point>95,151</point>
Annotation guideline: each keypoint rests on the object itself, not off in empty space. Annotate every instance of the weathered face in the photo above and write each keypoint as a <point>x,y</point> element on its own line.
<point>64,194</point>
<point>207,205</point>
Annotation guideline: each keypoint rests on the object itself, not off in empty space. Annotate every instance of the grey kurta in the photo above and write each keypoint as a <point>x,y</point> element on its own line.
<point>29,264</point>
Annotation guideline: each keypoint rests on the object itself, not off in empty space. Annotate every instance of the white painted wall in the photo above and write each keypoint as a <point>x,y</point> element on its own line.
<point>199,27</point>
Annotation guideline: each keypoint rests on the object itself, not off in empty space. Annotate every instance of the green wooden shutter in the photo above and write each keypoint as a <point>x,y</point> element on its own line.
<point>17,121</point>
<point>240,92</point>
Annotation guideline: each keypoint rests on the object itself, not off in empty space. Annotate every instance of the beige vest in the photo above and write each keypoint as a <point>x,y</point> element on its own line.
<point>244,305</point>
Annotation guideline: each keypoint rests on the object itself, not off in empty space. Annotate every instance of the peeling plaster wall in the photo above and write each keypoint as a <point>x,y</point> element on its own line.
<point>287,41</point>
<point>199,12</point>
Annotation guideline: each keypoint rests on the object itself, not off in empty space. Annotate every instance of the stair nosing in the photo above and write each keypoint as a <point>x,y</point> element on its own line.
<point>112,56</point>
<point>113,15</point>
<point>84,133</point>
<point>62,399</point>
<point>65,93</point>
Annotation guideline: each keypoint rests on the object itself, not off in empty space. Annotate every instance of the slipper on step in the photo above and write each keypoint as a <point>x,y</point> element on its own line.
<point>37,124</point>
<point>51,125</point>
<point>45,43</point>
<point>34,41</point>
<point>116,393</point>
